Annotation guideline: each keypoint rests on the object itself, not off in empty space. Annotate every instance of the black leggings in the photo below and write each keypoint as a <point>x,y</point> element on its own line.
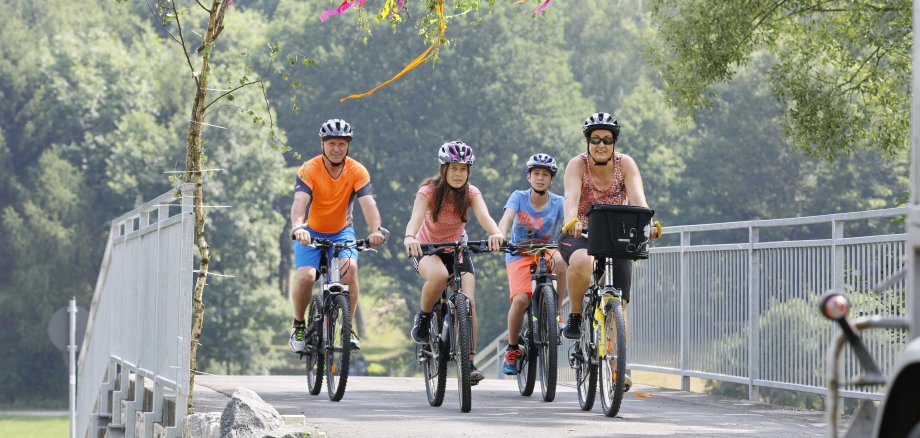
<point>622,268</point>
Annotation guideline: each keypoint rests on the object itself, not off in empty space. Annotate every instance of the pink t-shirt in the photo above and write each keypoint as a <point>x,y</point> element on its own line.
<point>449,227</point>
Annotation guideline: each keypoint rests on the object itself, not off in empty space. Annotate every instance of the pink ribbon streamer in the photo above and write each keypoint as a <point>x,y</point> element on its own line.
<point>342,8</point>
<point>542,7</point>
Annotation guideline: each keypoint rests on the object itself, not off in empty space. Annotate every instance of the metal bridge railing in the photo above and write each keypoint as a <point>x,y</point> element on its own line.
<point>134,363</point>
<point>746,311</point>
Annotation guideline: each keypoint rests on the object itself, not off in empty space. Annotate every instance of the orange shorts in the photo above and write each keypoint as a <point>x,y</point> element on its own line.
<point>519,281</point>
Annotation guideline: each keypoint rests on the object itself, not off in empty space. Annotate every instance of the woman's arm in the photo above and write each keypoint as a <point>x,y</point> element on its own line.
<point>572,183</point>
<point>481,210</point>
<point>634,189</point>
<point>419,209</point>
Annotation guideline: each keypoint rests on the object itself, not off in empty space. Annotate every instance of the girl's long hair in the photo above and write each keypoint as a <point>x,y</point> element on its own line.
<point>443,190</point>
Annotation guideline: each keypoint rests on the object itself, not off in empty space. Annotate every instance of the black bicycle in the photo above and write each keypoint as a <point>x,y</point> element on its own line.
<point>539,335</point>
<point>617,232</point>
<point>450,335</point>
<point>328,335</point>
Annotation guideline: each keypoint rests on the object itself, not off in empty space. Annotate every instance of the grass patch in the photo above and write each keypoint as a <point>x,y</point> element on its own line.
<point>28,426</point>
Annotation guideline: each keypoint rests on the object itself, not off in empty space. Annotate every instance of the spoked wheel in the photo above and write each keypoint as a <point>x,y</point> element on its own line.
<point>548,343</point>
<point>527,370</point>
<point>586,369</point>
<point>462,334</point>
<point>314,354</point>
<point>434,362</point>
<point>612,355</point>
<point>338,347</point>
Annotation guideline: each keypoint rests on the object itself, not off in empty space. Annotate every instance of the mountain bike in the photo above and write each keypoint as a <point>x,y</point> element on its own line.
<point>450,335</point>
<point>539,335</point>
<point>599,356</point>
<point>328,334</point>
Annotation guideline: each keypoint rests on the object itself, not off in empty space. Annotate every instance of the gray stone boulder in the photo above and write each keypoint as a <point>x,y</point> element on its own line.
<point>204,425</point>
<point>248,416</point>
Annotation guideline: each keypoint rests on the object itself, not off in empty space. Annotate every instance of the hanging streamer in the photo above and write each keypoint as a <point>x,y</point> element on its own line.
<point>541,8</point>
<point>415,62</point>
<point>342,8</point>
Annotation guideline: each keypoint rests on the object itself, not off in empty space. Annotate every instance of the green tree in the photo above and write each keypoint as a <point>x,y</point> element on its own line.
<point>841,69</point>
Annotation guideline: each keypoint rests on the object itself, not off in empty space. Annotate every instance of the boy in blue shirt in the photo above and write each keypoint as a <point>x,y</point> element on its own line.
<point>535,216</point>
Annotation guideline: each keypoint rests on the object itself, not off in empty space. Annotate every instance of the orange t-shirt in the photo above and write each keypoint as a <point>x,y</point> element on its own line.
<point>332,199</point>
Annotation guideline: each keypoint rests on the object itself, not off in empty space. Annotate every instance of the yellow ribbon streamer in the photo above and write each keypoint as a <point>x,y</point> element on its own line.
<point>415,62</point>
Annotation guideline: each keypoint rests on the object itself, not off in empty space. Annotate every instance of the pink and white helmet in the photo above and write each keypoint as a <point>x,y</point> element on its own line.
<point>456,151</point>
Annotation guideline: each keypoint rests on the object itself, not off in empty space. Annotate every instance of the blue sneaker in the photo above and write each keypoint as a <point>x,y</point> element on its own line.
<point>510,363</point>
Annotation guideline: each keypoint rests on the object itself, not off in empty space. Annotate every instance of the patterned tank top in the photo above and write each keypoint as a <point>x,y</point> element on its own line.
<point>591,195</point>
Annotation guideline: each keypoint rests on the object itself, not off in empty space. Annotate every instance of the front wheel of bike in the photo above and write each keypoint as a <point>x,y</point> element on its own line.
<point>435,365</point>
<point>612,358</point>
<point>462,334</point>
<point>314,354</point>
<point>548,343</point>
<point>338,347</point>
<point>586,369</point>
<point>527,371</point>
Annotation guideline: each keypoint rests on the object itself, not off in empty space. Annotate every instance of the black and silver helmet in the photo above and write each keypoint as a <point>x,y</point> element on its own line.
<point>336,128</point>
<point>601,121</point>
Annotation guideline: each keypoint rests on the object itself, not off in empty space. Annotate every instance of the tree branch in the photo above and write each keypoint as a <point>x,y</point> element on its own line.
<point>159,21</point>
<point>182,42</point>
<point>228,92</point>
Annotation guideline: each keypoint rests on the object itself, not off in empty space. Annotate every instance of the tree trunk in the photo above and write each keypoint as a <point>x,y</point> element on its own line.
<point>193,174</point>
<point>284,265</point>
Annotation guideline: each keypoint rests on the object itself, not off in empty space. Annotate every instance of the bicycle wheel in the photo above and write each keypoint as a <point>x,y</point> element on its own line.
<point>435,365</point>
<point>548,345</point>
<point>612,355</point>
<point>527,371</point>
<point>462,334</point>
<point>586,371</point>
<point>314,354</point>
<point>338,347</point>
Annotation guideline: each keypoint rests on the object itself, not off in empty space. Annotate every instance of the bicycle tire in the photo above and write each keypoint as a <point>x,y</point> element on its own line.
<point>462,333</point>
<point>547,364</point>
<point>314,355</point>
<point>338,347</point>
<point>527,372</point>
<point>435,368</point>
<point>613,363</point>
<point>586,372</point>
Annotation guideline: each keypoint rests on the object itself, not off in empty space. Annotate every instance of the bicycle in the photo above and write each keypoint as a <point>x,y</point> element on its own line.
<point>540,319</point>
<point>599,355</point>
<point>328,335</point>
<point>450,333</point>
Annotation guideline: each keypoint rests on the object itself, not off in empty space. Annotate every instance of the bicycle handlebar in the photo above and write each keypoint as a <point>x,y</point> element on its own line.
<point>358,245</point>
<point>515,249</point>
<point>474,246</point>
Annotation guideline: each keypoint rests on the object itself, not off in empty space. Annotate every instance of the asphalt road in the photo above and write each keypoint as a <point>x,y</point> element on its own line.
<point>397,407</point>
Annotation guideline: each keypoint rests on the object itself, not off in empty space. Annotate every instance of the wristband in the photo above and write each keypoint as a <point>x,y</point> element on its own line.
<point>410,235</point>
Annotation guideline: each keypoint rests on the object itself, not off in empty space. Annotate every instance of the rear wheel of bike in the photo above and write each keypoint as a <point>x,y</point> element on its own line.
<point>338,350</point>
<point>612,357</point>
<point>462,335</point>
<point>314,354</point>
<point>586,370</point>
<point>527,371</point>
<point>548,342</point>
<point>435,367</point>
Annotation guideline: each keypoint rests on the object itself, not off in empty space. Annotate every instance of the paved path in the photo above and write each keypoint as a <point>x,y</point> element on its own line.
<point>397,407</point>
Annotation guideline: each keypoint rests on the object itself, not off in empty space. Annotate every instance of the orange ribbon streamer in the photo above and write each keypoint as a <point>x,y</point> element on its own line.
<point>415,62</point>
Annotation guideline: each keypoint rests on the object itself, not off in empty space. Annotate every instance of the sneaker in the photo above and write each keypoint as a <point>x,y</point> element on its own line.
<point>627,382</point>
<point>298,338</point>
<point>420,328</point>
<point>475,374</point>
<point>510,361</point>
<point>355,342</point>
<point>572,329</point>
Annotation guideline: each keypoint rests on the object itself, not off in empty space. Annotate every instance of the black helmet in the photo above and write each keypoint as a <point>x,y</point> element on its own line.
<point>601,121</point>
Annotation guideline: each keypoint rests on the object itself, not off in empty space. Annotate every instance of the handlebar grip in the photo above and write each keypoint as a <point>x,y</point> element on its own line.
<point>565,229</point>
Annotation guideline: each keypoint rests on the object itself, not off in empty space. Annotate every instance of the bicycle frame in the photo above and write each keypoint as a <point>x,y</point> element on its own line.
<point>599,294</point>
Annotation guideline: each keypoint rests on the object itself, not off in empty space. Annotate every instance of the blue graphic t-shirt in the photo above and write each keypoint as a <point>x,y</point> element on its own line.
<point>530,225</point>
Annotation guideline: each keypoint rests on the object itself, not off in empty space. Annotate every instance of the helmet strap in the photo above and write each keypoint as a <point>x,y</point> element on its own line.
<point>332,163</point>
<point>538,192</point>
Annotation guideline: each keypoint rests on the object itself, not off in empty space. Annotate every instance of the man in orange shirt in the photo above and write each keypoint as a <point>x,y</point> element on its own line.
<point>324,195</point>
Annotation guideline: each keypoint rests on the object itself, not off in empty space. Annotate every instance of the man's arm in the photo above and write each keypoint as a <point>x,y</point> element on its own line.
<point>372,217</point>
<point>298,217</point>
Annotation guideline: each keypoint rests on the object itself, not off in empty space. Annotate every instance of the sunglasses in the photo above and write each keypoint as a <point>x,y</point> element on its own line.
<point>605,140</point>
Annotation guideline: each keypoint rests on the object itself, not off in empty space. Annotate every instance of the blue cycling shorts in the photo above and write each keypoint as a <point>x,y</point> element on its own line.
<point>309,256</point>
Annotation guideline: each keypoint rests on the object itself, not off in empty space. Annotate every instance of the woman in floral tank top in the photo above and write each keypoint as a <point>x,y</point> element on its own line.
<point>440,215</point>
<point>598,176</point>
